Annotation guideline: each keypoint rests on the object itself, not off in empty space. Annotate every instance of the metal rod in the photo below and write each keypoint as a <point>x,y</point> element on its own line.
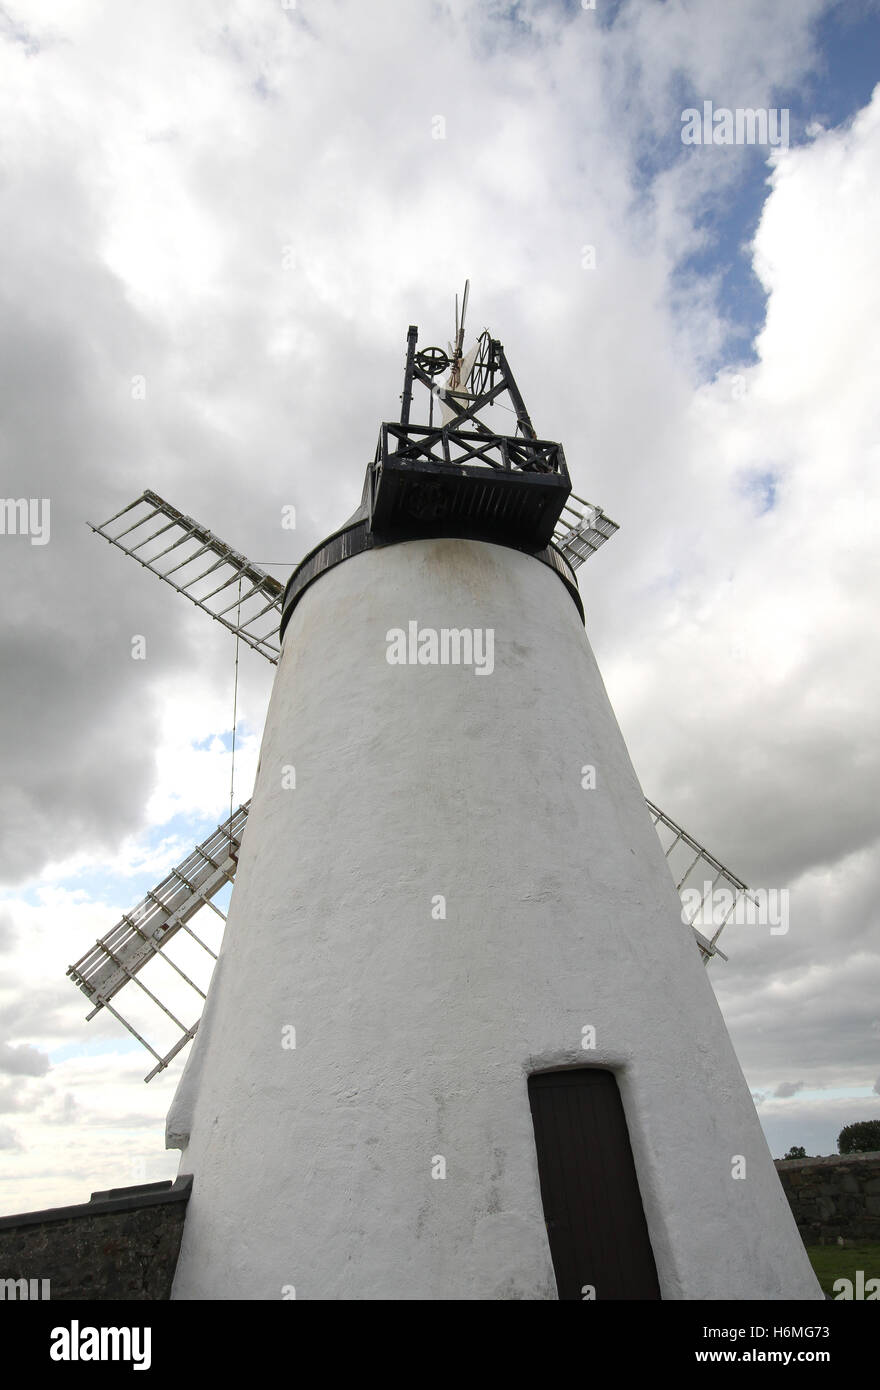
<point>161,955</point>
<point>204,946</point>
<point>134,1032</point>
<point>173,546</point>
<point>158,1002</point>
<point>522,414</point>
<point>189,559</point>
<point>134,527</point>
<point>170,1055</point>
<point>117,515</point>
<point>161,531</point>
<point>210,570</point>
<point>244,599</point>
<point>697,857</point>
<point>694,844</point>
<point>406,397</point>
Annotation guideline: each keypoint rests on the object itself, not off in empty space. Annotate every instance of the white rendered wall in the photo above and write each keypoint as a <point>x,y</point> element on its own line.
<point>415,1036</point>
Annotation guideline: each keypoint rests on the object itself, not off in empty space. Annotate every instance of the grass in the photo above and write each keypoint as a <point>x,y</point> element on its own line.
<point>832,1262</point>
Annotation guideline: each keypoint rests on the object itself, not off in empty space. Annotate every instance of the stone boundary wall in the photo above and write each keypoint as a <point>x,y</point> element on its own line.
<point>833,1197</point>
<point>123,1244</point>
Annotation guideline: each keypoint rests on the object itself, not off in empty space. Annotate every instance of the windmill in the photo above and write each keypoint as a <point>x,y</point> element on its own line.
<point>444,945</point>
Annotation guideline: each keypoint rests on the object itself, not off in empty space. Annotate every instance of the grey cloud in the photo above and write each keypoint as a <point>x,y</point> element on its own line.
<point>23,1060</point>
<point>54,1013</point>
<point>789,1088</point>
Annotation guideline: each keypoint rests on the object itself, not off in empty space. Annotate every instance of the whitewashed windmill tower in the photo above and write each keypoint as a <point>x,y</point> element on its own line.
<point>459,1042</point>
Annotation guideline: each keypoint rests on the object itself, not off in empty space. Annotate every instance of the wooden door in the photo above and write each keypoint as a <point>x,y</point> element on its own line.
<point>592,1204</point>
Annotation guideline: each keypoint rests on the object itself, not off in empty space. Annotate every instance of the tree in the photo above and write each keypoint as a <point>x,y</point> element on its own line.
<point>796,1151</point>
<point>860,1138</point>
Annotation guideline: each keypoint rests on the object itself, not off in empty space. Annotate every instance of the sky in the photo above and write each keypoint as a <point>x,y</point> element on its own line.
<point>218,220</point>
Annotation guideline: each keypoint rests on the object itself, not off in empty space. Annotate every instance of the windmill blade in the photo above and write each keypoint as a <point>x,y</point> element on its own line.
<point>581,530</point>
<point>225,584</point>
<point>694,868</point>
<point>142,936</point>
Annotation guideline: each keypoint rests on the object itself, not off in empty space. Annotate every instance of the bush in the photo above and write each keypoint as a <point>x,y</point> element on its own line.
<point>796,1151</point>
<point>861,1138</point>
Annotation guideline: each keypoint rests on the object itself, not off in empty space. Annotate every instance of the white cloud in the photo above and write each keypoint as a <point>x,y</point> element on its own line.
<point>9,1139</point>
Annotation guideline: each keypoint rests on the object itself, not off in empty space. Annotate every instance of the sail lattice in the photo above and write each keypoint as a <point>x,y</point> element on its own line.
<point>226,585</point>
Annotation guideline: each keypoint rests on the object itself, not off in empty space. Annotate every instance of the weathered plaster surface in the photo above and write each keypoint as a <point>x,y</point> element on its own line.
<point>414,1036</point>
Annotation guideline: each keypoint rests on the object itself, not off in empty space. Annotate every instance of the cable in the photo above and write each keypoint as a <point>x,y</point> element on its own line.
<point>234,714</point>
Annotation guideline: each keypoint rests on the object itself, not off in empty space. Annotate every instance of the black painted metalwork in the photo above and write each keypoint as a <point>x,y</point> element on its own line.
<point>462,477</point>
<point>406,397</point>
<point>458,478</point>
<point>357,537</point>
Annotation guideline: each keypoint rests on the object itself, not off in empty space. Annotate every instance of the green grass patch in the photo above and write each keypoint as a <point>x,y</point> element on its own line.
<point>832,1262</point>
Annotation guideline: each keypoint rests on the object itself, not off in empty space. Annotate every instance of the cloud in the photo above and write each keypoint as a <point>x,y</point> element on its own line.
<point>789,1088</point>
<point>813,1124</point>
<point>9,1140</point>
<point>17,1096</point>
<point>69,1112</point>
<point>6,931</point>
<point>23,1060</point>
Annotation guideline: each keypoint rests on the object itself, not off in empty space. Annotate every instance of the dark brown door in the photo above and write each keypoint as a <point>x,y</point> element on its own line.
<point>592,1204</point>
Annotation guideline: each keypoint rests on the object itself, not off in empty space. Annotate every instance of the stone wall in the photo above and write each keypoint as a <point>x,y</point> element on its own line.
<point>123,1244</point>
<point>833,1197</point>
